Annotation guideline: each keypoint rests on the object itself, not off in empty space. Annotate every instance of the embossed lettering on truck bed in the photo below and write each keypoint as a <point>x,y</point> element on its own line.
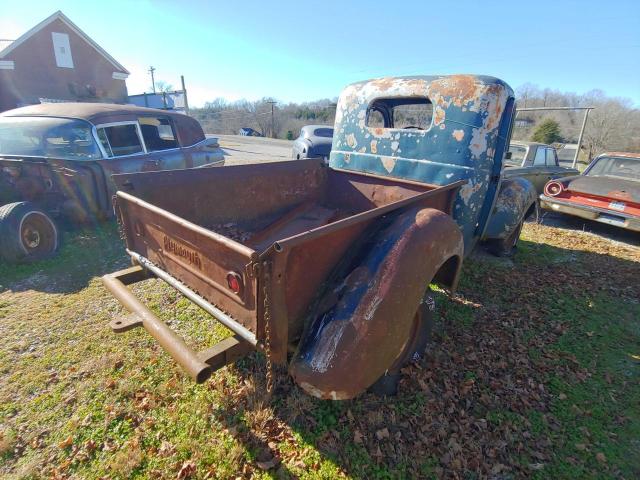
<point>171,246</point>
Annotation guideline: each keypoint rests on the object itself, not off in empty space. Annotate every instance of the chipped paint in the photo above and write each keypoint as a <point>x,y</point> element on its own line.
<point>466,191</point>
<point>388,163</point>
<point>332,334</point>
<point>516,197</point>
<point>462,143</point>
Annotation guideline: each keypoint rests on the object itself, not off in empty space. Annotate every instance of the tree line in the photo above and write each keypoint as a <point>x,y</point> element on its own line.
<point>224,117</point>
<point>614,124</point>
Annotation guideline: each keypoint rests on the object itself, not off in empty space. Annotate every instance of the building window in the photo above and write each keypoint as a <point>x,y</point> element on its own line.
<point>62,50</point>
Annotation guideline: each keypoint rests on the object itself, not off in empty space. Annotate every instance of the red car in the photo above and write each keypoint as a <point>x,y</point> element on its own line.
<point>608,191</point>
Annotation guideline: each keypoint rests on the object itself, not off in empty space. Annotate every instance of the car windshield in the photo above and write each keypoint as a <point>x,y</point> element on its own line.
<point>47,137</point>
<point>518,152</point>
<point>619,167</point>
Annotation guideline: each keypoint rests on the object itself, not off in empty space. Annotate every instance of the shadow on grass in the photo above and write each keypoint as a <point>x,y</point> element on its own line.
<point>85,253</point>
<point>578,224</point>
<point>510,384</point>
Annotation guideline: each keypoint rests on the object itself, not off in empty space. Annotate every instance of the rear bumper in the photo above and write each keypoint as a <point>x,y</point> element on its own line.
<point>198,365</point>
<point>609,217</point>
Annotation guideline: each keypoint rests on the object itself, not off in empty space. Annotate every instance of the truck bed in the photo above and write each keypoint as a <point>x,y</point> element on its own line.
<point>286,223</point>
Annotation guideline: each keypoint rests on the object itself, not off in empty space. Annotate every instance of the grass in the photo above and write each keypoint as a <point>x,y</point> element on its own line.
<point>533,373</point>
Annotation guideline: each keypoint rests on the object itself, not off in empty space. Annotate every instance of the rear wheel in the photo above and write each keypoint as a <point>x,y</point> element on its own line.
<point>27,233</point>
<point>414,349</point>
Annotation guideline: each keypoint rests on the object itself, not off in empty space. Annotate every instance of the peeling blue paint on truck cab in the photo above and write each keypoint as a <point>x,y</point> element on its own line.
<point>464,139</point>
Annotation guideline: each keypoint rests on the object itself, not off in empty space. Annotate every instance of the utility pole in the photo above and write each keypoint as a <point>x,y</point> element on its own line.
<point>272,119</point>
<point>153,81</point>
<point>184,92</point>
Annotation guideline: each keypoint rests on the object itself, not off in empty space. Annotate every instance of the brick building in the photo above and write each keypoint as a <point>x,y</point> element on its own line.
<point>55,61</point>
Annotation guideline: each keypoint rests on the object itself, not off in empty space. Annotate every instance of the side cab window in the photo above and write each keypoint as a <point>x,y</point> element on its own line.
<point>552,159</point>
<point>120,139</point>
<point>158,133</point>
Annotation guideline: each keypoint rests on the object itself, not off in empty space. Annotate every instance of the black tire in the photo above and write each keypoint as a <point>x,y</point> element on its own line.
<point>387,385</point>
<point>506,247</point>
<point>27,233</point>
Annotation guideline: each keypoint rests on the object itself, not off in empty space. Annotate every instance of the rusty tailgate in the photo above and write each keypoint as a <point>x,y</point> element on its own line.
<point>198,257</point>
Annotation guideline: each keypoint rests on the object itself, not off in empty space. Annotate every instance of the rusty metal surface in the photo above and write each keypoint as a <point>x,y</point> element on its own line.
<point>229,322</point>
<point>362,321</point>
<point>225,352</point>
<point>337,258</point>
<point>170,342</point>
<point>308,217</point>
<point>516,200</point>
<point>472,117</point>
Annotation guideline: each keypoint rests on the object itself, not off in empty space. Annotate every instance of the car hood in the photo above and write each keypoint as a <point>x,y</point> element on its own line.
<point>617,188</point>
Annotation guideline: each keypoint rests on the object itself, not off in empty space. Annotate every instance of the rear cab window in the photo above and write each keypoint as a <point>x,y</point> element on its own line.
<point>409,113</point>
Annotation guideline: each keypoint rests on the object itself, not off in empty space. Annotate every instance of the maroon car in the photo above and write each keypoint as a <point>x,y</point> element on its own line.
<point>608,191</point>
<point>56,162</point>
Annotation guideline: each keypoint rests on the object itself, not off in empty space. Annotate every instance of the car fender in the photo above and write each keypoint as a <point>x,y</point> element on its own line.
<point>354,339</point>
<point>517,199</point>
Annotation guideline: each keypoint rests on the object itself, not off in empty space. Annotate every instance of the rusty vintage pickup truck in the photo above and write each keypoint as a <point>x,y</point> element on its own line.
<point>326,268</point>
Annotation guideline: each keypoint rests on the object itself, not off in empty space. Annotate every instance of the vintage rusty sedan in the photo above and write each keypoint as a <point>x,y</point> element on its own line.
<point>608,191</point>
<point>537,162</point>
<point>56,162</point>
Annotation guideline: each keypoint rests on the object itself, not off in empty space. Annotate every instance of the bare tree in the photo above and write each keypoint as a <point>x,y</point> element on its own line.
<point>162,86</point>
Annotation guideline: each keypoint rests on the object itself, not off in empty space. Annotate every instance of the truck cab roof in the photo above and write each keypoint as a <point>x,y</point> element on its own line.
<point>433,129</point>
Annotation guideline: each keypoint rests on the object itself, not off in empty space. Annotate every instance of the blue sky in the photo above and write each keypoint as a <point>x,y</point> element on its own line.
<point>305,50</point>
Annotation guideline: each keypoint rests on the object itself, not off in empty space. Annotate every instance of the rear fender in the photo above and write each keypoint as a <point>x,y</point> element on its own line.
<point>355,339</point>
<point>516,200</point>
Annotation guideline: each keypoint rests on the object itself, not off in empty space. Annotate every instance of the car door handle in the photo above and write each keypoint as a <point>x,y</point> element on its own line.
<point>153,162</point>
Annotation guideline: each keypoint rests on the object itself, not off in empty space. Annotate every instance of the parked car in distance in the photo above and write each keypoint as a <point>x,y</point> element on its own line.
<point>608,191</point>
<point>249,132</point>
<point>537,162</point>
<point>56,162</point>
<point>314,141</point>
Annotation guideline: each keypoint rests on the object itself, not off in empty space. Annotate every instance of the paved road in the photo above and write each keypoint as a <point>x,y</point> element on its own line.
<point>239,150</point>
